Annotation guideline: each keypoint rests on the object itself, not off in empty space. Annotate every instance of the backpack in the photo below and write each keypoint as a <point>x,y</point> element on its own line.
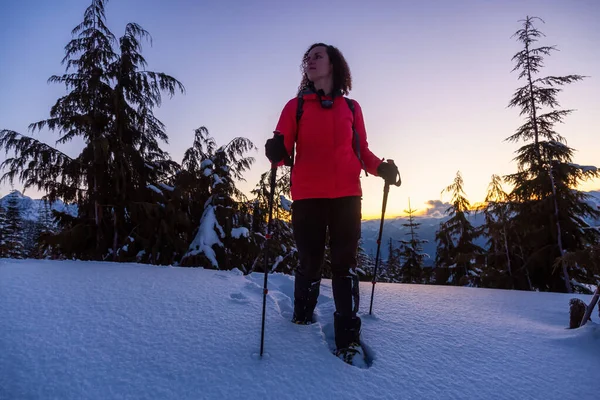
<point>355,137</point>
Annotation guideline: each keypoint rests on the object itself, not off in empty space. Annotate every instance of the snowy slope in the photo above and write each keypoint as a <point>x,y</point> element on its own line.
<point>595,199</point>
<point>89,330</point>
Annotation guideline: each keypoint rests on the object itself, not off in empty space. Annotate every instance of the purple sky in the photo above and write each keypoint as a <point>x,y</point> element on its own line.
<point>433,77</point>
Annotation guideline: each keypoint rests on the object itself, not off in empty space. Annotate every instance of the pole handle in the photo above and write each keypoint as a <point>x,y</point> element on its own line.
<point>398,179</point>
<point>287,160</point>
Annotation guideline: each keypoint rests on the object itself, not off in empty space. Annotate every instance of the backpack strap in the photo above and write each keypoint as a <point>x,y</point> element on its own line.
<point>355,137</point>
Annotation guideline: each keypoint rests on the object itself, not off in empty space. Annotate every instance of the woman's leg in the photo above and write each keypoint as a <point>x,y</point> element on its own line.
<point>345,231</point>
<point>309,221</point>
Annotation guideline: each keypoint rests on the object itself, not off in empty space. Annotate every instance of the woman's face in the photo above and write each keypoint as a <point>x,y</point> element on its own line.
<point>318,65</point>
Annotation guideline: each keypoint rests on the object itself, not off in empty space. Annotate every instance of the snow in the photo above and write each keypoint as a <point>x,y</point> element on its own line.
<point>217,180</point>
<point>591,288</point>
<point>239,232</point>
<point>93,330</point>
<point>206,163</point>
<point>207,236</point>
<point>285,204</point>
<point>207,172</point>
<point>278,261</point>
<point>557,144</point>
<point>584,168</point>
<point>166,187</point>
<point>154,188</point>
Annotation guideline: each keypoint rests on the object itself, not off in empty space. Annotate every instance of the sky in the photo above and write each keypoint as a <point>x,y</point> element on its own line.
<point>433,77</point>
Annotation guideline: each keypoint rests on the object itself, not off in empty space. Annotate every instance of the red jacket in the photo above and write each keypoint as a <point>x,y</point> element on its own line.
<point>325,164</point>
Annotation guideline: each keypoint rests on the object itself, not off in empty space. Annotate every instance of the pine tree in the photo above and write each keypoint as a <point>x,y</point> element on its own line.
<point>30,234</point>
<point>548,209</point>
<point>134,142</point>
<point>411,251</point>
<point>3,223</point>
<point>282,246</point>
<point>169,219</point>
<point>455,247</point>
<point>498,229</point>
<point>41,228</point>
<point>222,240</point>
<point>392,268</point>
<point>366,264</point>
<point>587,259</point>
<point>109,107</point>
<point>13,230</point>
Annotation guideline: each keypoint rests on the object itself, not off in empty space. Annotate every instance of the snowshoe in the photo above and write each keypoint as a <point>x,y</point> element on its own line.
<point>354,355</point>
<point>347,340</point>
<point>302,320</point>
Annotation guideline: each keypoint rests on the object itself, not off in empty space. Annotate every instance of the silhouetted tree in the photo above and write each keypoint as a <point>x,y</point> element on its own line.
<point>547,208</point>
<point>456,249</point>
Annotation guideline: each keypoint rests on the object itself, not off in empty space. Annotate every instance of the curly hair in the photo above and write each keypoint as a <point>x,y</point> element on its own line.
<point>342,78</point>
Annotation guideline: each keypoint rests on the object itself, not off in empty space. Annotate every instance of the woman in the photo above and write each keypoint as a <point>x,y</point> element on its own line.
<point>328,135</point>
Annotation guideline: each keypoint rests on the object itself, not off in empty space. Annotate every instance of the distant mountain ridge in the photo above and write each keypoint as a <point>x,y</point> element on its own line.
<point>393,227</point>
<point>430,223</point>
<point>32,208</point>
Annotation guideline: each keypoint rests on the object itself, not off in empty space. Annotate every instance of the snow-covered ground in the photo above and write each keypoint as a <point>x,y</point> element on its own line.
<point>90,330</point>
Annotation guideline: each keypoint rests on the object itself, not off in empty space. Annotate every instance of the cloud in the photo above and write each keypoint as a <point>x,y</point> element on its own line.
<point>435,209</point>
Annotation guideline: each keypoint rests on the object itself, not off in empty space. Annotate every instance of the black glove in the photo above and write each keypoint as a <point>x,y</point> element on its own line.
<point>275,149</point>
<point>389,172</point>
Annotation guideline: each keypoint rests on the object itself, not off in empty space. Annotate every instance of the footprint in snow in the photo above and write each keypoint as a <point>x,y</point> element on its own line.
<point>239,297</point>
<point>283,303</point>
<point>282,298</point>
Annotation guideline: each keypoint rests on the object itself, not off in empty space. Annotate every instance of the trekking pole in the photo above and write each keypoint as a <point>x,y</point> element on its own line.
<point>266,256</point>
<point>386,189</point>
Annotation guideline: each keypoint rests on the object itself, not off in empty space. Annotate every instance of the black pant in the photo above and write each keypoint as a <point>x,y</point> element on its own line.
<point>311,218</point>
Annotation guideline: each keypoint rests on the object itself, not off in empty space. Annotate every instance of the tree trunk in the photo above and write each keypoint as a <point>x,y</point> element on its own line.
<point>591,306</point>
<point>508,262</point>
<point>525,268</point>
<point>115,234</point>
<point>559,236</point>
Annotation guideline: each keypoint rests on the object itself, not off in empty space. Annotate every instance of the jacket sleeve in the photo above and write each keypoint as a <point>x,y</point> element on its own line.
<point>286,126</point>
<point>371,160</point>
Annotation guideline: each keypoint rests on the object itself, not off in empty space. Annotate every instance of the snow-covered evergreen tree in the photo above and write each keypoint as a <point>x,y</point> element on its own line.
<point>13,234</point>
<point>366,264</point>
<point>2,232</point>
<point>283,255</point>
<point>411,251</point>
<point>456,249</point>
<point>391,270</point>
<point>222,239</point>
<point>42,228</point>
<point>109,106</point>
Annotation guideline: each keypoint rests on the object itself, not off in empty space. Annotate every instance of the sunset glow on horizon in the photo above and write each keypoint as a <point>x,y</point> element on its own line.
<point>433,78</point>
